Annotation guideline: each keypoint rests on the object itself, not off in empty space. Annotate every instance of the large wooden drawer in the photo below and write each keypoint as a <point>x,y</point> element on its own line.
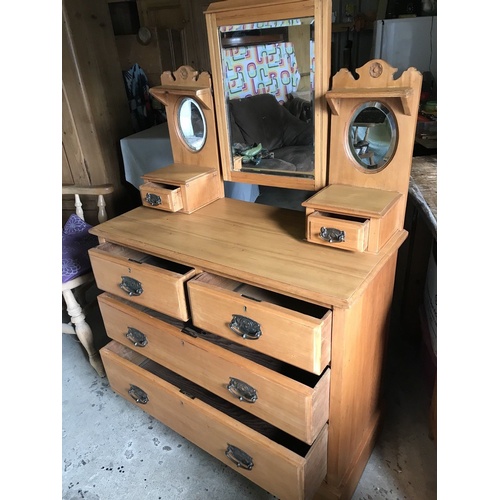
<point>142,278</point>
<point>270,458</point>
<point>291,399</point>
<point>291,330</point>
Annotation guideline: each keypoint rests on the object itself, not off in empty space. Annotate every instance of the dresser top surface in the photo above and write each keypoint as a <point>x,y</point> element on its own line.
<point>259,244</point>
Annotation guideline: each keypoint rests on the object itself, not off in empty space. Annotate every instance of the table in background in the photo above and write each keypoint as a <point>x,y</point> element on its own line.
<point>150,150</point>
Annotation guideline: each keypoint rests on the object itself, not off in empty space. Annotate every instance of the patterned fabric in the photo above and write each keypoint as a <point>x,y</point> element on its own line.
<point>261,69</point>
<point>76,242</point>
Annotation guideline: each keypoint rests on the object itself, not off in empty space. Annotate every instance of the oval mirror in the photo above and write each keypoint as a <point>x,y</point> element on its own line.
<point>191,123</point>
<point>372,136</point>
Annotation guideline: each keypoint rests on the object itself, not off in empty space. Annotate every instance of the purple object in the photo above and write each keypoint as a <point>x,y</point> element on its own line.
<point>76,242</point>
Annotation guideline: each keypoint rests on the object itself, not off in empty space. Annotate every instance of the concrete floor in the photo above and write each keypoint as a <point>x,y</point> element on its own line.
<point>113,450</point>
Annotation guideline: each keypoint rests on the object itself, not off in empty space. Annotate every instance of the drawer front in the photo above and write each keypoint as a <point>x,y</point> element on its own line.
<point>154,283</point>
<point>263,321</point>
<point>285,469</point>
<point>292,400</point>
<point>161,197</point>
<point>327,231</point>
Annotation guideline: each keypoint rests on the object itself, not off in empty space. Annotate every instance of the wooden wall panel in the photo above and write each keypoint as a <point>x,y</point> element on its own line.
<point>162,13</point>
<point>95,106</point>
<point>74,171</point>
<point>130,52</point>
<point>173,48</point>
<point>179,37</point>
<point>197,44</point>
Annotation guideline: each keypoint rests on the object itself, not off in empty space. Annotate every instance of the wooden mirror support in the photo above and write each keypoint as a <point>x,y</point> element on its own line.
<point>365,202</point>
<point>194,179</point>
<point>306,32</point>
<point>401,97</point>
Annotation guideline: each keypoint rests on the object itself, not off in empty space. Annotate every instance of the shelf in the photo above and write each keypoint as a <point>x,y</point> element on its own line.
<point>161,92</point>
<point>405,94</point>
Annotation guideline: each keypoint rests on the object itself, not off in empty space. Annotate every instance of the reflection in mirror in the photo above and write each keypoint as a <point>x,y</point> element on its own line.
<point>372,136</point>
<point>268,80</point>
<point>191,124</point>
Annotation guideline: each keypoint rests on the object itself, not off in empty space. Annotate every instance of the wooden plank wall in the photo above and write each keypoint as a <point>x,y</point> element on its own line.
<point>178,37</point>
<point>95,112</point>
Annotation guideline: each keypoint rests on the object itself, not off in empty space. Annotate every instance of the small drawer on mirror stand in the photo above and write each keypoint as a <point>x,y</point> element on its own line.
<point>335,231</point>
<point>353,218</point>
<point>180,188</point>
<point>161,196</point>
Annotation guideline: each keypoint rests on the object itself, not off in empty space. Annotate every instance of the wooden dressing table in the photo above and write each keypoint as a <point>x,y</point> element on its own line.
<point>264,247</point>
<point>258,333</point>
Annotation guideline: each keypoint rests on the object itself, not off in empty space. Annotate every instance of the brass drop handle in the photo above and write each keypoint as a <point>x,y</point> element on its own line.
<point>332,235</point>
<point>153,199</point>
<point>138,395</point>
<point>136,337</point>
<point>242,390</point>
<point>245,327</point>
<point>239,457</point>
<point>131,286</point>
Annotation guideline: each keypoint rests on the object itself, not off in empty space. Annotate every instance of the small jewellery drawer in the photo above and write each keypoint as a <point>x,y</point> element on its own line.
<point>355,218</point>
<point>291,399</point>
<point>279,326</point>
<point>160,196</point>
<point>180,188</point>
<point>333,231</point>
<point>279,463</point>
<point>142,278</point>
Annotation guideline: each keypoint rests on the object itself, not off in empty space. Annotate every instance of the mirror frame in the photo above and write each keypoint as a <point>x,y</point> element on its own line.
<point>232,12</point>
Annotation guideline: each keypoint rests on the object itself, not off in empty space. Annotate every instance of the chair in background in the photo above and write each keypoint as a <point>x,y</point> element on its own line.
<point>76,269</point>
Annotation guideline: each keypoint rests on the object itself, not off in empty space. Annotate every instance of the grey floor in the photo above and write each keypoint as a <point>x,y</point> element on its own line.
<point>113,450</point>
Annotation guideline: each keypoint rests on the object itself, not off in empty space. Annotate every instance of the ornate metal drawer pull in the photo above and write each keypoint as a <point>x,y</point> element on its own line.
<point>242,390</point>
<point>239,457</point>
<point>245,327</point>
<point>131,286</point>
<point>153,199</point>
<point>138,395</point>
<point>332,235</point>
<point>136,337</point>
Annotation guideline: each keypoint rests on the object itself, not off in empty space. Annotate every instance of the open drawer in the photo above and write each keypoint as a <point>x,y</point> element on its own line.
<point>326,229</point>
<point>180,188</point>
<point>353,218</point>
<point>161,196</point>
<point>282,327</point>
<point>277,462</point>
<point>291,399</point>
<point>142,278</point>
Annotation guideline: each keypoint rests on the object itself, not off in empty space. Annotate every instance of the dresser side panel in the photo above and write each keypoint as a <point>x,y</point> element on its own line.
<point>358,345</point>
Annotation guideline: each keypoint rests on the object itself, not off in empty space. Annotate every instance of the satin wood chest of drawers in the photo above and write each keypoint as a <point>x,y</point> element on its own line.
<point>263,349</point>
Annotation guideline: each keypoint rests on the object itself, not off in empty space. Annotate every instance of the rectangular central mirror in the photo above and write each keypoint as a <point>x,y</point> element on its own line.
<point>270,70</point>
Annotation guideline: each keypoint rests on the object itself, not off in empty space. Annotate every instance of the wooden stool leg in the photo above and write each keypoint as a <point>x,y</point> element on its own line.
<point>83,331</point>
